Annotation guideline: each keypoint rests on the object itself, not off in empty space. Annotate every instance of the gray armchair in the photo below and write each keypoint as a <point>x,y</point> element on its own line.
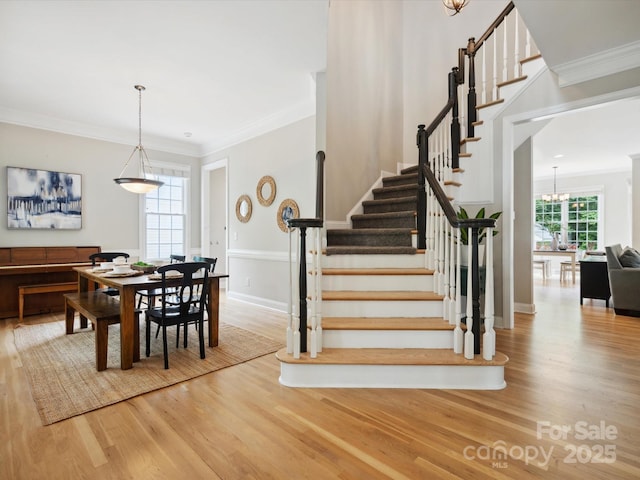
<point>624,280</point>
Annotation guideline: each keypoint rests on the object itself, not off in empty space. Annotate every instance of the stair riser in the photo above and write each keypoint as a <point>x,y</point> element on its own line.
<point>363,283</point>
<point>400,180</point>
<point>394,222</point>
<point>360,238</point>
<point>384,207</point>
<point>387,339</point>
<point>392,376</point>
<point>387,194</point>
<point>363,308</point>
<point>373,261</point>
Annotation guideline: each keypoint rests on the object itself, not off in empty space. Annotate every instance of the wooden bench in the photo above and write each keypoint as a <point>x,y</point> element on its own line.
<point>102,310</point>
<point>42,288</point>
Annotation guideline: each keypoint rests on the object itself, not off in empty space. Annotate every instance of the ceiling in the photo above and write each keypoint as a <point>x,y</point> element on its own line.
<point>219,70</point>
<point>224,70</point>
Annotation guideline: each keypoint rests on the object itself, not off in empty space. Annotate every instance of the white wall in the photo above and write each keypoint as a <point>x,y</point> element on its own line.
<point>258,250</point>
<point>110,215</point>
<point>364,99</point>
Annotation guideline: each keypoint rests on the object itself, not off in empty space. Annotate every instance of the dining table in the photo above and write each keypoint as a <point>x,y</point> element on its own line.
<point>89,278</point>
<point>570,253</point>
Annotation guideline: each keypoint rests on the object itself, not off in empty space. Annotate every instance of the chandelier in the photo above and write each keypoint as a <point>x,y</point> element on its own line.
<point>454,6</point>
<point>555,197</point>
<point>138,184</point>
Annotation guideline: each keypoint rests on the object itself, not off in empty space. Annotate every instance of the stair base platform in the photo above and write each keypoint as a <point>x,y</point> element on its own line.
<point>392,368</point>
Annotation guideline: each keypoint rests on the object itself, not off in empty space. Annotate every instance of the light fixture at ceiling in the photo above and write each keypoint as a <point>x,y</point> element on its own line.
<point>555,197</point>
<point>455,6</point>
<point>136,184</point>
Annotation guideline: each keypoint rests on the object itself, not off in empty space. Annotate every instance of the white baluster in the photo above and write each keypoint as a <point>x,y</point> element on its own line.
<point>494,95</point>
<point>505,50</point>
<point>489,336</point>
<point>516,58</point>
<point>296,308</point>
<point>452,277</point>
<point>483,81</point>
<point>468,336</point>
<point>443,241</point>
<point>446,300</point>
<point>319,237</point>
<point>436,246</point>
<point>290,305</point>
<point>457,331</point>
<point>527,47</point>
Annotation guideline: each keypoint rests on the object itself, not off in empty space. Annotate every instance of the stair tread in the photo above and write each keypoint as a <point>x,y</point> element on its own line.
<point>377,271</point>
<point>398,295</point>
<point>386,201</point>
<point>390,356</point>
<point>403,213</point>
<point>384,323</point>
<point>369,231</point>
<point>368,250</point>
<point>490,104</point>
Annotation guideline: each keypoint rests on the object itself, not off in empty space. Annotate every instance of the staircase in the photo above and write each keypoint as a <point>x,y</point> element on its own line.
<point>382,322</point>
<point>386,320</point>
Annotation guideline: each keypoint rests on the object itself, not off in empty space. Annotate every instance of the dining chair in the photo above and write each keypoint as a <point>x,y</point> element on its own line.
<point>107,257</point>
<point>149,296</point>
<point>185,310</point>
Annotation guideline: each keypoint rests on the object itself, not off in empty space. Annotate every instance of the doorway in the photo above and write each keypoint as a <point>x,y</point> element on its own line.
<point>214,239</point>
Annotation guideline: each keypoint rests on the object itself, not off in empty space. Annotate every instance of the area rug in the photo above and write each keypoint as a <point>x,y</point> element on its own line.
<point>64,381</point>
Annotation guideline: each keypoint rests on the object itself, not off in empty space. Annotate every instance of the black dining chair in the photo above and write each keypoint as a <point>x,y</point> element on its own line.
<point>185,308</point>
<point>149,296</point>
<point>100,257</point>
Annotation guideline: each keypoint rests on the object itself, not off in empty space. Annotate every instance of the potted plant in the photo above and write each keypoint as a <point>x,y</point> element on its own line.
<point>482,233</point>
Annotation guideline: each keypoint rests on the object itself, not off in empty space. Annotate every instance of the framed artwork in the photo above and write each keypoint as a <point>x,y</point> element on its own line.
<point>43,199</point>
<point>287,209</point>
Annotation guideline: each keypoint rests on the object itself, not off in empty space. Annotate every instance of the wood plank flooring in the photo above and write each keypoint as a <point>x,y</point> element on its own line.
<point>569,366</point>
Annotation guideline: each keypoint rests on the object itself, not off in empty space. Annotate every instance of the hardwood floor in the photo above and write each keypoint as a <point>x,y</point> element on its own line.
<point>569,366</point>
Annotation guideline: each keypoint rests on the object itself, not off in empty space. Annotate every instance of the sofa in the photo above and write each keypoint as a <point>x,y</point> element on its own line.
<point>623,267</point>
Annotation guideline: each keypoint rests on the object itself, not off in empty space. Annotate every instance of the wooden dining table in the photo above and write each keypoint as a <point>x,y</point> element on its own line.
<point>89,278</point>
<point>571,254</point>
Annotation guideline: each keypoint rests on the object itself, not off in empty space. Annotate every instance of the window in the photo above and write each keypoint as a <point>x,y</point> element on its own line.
<point>165,216</point>
<point>576,217</point>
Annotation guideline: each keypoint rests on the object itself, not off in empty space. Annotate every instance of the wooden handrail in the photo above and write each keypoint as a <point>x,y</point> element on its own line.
<point>507,10</point>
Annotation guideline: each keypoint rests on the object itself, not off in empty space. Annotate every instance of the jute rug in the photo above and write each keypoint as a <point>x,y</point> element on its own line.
<point>64,381</point>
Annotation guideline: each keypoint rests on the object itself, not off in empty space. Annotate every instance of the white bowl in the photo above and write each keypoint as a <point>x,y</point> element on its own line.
<point>120,260</point>
<point>106,265</point>
<point>121,268</point>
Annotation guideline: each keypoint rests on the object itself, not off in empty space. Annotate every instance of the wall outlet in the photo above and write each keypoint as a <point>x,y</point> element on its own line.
<point>247,282</point>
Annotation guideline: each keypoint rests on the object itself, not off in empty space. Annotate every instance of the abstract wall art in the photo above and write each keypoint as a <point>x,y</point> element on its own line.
<point>43,199</point>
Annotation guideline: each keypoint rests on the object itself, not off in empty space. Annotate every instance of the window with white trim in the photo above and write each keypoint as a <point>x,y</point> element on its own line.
<point>165,215</point>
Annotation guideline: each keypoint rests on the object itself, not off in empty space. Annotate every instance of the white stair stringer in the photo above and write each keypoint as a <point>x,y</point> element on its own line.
<point>479,166</point>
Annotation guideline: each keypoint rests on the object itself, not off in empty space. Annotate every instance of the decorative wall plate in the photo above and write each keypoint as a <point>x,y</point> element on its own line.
<point>287,209</point>
<point>243,208</point>
<point>266,190</point>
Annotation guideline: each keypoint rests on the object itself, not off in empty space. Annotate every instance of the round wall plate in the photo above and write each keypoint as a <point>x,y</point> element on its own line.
<point>287,209</point>
<point>266,190</point>
<point>243,208</point>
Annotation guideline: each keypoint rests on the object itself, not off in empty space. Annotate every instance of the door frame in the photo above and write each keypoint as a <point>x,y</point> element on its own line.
<point>205,188</point>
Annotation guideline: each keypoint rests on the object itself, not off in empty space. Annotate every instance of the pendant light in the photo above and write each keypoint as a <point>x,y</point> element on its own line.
<point>455,6</point>
<point>136,184</point>
<point>555,197</point>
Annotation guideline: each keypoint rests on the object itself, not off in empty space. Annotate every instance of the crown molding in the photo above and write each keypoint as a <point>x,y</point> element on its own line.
<point>264,125</point>
<point>599,65</point>
<point>124,137</point>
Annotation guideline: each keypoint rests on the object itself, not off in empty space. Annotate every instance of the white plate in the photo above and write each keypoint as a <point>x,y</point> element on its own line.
<point>129,273</point>
<point>158,276</point>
